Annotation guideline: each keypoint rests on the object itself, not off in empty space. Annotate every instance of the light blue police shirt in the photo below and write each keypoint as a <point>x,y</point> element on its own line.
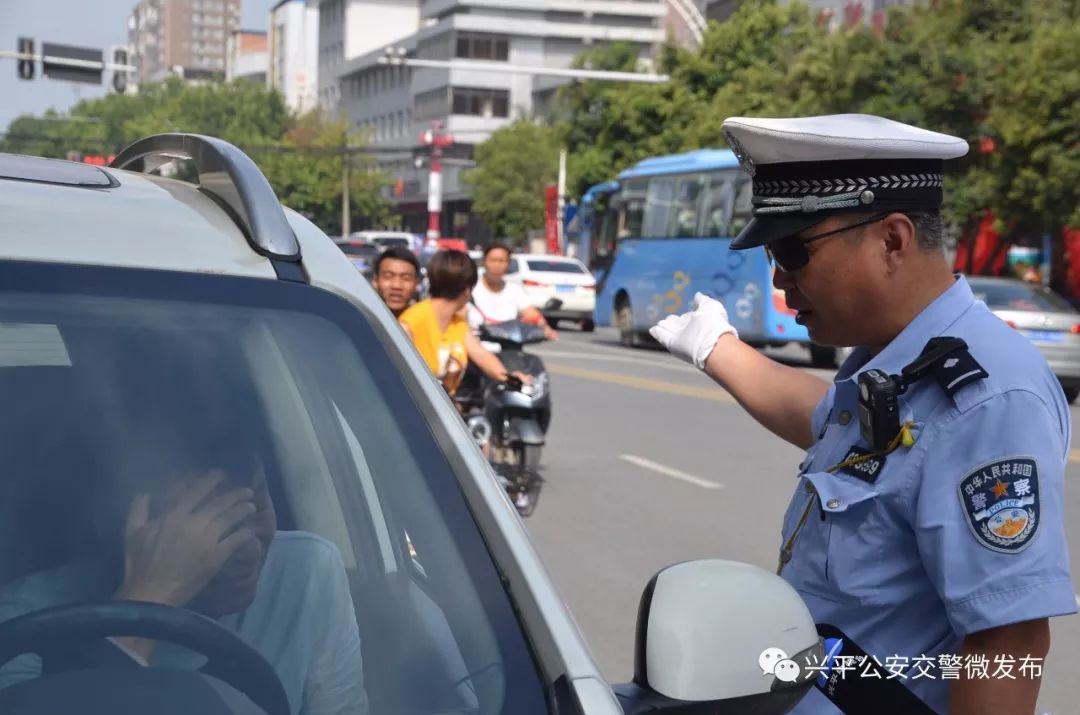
<point>961,532</point>
<point>302,621</point>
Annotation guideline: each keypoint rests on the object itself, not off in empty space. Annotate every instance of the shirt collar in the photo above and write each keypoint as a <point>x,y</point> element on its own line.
<point>945,310</point>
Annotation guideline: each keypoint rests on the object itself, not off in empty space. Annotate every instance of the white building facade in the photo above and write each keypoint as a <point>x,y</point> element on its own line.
<point>246,56</point>
<point>350,28</point>
<point>395,104</point>
<point>294,53</point>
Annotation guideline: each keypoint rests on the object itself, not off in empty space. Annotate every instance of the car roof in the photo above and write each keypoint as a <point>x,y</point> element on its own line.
<point>58,211</point>
<point>547,257</point>
<point>65,212</point>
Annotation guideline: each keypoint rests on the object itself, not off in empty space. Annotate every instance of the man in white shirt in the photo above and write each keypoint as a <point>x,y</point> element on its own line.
<point>496,301</point>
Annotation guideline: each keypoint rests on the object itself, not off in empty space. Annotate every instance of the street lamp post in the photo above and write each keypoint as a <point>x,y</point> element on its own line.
<point>438,139</point>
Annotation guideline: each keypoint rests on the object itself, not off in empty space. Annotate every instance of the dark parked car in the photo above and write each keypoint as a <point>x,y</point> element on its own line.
<point>362,255</point>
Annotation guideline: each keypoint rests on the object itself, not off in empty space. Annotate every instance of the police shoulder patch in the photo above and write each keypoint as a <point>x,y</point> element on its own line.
<point>1001,502</point>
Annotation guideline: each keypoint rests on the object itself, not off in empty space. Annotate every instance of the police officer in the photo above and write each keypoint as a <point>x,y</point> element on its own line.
<point>932,534</point>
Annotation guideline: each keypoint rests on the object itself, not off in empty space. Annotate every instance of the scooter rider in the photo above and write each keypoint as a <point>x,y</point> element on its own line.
<point>496,301</point>
<point>438,329</point>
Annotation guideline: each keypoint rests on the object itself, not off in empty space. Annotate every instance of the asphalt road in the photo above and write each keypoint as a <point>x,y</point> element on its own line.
<point>649,463</point>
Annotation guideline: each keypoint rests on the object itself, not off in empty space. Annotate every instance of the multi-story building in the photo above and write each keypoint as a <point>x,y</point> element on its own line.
<point>294,53</point>
<point>246,56</point>
<point>839,13</point>
<point>686,22</point>
<point>351,28</point>
<point>833,13</point>
<point>186,37</point>
<point>395,104</point>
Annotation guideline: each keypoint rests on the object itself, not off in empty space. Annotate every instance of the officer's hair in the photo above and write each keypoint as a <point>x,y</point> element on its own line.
<point>929,229</point>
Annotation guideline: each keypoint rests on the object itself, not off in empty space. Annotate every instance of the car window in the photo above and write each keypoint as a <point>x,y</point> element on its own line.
<point>555,266</point>
<point>359,249</point>
<point>1002,295</point>
<point>392,241</point>
<point>360,574</point>
<point>513,268</point>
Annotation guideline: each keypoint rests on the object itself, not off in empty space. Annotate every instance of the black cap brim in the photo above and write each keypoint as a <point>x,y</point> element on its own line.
<point>766,229</point>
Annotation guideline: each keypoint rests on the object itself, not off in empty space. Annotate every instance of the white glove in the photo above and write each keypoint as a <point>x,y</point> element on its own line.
<point>693,335</point>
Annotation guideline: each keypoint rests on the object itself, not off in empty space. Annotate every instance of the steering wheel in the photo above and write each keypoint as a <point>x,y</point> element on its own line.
<point>229,658</point>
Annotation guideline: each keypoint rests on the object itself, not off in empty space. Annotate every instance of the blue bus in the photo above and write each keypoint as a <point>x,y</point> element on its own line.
<point>662,231</point>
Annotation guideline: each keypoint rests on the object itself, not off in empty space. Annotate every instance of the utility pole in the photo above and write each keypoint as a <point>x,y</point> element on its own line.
<point>562,202</point>
<point>346,159</point>
<point>437,139</point>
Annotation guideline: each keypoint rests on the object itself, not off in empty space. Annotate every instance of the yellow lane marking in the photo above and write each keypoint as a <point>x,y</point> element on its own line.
<point>715,394</point>
<point>1074,455</point>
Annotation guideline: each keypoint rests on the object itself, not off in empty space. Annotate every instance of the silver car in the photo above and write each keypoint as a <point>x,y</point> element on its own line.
<point>224,460</point>
<point>1044,317</point>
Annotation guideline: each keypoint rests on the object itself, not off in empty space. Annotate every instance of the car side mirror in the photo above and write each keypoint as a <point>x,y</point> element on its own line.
<point>724,633</point>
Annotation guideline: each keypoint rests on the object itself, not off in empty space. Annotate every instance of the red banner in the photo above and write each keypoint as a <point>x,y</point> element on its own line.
<point>551,217</point>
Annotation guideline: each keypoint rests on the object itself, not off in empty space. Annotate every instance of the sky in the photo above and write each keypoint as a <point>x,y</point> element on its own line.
<point>83,23</point>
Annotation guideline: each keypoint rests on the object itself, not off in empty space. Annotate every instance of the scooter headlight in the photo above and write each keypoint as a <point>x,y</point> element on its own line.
<point>538,387</point>
<point>480,428</point>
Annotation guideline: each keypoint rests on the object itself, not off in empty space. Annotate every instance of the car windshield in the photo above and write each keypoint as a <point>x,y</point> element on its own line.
<point>247,449</point>
<point>392,241</point>
<point>359,249</point>
<point>1007,295</point>
<point>548,266</point>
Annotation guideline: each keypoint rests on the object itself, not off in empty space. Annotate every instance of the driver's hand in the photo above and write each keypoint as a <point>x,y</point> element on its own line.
<point>550,333</point>
<point>169,559</point>
<point>524,377</point>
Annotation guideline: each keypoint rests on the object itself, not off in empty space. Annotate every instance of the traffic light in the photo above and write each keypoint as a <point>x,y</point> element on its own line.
<point>120,78</point>
<point>56,68</point>
<point>26,66</point>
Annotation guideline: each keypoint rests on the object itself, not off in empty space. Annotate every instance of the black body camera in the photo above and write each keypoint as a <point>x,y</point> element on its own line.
<point>879,392</point>
<point>879,408</point>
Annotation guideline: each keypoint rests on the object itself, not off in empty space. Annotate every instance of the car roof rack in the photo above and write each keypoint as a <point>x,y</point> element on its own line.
<point>230,177</point>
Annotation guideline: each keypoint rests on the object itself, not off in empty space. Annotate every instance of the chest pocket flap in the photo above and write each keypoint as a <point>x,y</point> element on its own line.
<point>853,522</point>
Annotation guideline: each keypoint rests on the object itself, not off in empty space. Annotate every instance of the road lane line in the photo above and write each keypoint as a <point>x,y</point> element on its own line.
<point>662,364</point>
<point>1074,455</point>
<point>670,472</point>
<point>715,394</point>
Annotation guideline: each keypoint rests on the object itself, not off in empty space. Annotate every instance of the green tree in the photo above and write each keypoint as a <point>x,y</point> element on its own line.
<point>301,156</point>
<point>512,168</point>
<point>306,170</point>
<point>998,73</point>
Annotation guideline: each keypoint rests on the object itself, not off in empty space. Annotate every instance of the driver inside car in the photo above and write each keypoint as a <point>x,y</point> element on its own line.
<point>190,524</point>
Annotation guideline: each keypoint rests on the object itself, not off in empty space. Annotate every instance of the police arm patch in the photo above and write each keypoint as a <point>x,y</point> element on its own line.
<point>1001,502</point>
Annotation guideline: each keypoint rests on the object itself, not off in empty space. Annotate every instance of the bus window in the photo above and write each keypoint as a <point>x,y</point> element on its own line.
<point>605,244</point>
<point>743,209</point>
<point>602,231</point>
<point>632,216</point>
<point>684,218</point>
<point>658,207</point>
<point>716,208</point>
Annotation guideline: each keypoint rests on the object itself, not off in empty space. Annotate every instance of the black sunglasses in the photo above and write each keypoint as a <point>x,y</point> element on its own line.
<point>789,253</point>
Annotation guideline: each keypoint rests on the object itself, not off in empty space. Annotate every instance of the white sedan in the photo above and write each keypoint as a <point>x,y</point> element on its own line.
<point>565,279</point>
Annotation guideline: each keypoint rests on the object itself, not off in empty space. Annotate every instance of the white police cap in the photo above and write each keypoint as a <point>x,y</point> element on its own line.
<point>808,168</point>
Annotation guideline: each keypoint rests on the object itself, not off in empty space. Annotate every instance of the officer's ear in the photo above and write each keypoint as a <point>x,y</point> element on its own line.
<point>899,238</point>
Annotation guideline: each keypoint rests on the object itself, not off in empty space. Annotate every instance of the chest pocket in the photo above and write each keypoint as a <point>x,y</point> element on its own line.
<point>852,522</point>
